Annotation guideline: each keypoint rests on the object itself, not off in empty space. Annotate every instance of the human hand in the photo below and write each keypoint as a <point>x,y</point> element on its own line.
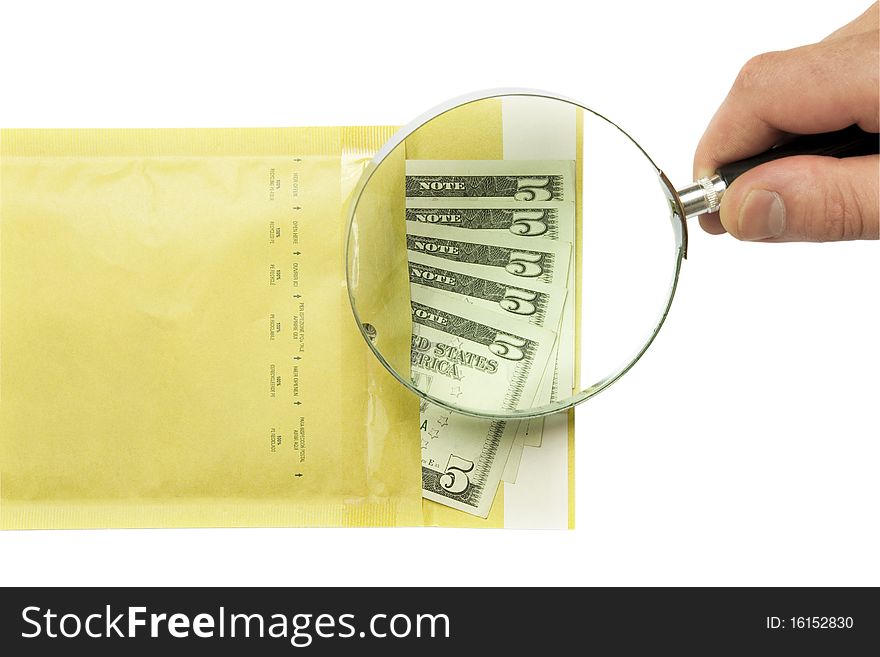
<point>817,88</point>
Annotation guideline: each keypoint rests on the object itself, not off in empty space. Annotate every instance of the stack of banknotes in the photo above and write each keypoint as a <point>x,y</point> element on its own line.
<point>491,257</point>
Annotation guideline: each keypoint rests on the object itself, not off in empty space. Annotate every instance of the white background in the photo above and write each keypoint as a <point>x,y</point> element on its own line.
<point>743,449</point>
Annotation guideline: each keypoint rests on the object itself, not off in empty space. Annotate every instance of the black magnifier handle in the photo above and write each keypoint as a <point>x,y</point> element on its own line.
<point>705,195</point>
<point>849,142</point>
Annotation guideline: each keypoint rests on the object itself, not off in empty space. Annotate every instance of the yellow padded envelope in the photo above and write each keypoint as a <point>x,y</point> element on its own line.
<point>176,343</point>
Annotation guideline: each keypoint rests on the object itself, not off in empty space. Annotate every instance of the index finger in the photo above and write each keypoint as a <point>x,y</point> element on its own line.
<point>817,88</point>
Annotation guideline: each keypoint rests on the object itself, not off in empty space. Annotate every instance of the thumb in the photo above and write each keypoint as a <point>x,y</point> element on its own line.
<point>805,199</point>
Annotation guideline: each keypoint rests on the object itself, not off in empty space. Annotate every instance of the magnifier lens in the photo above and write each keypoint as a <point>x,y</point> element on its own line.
<point>512,255</point>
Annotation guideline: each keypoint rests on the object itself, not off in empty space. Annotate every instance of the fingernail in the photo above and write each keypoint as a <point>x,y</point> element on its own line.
<point>762,215</point>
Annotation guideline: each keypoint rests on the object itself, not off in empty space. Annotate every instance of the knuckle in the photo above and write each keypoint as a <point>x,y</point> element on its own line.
<point>755,71</point>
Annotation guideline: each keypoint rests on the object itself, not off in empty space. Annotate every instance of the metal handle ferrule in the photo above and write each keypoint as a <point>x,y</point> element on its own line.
<point>702,196</point>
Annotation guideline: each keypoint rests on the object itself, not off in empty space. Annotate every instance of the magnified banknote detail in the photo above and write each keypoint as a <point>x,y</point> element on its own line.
<point>490,250</point>
<point>526,222</point>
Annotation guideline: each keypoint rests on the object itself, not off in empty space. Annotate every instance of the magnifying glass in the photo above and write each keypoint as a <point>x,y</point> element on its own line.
<point>513,253</point>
